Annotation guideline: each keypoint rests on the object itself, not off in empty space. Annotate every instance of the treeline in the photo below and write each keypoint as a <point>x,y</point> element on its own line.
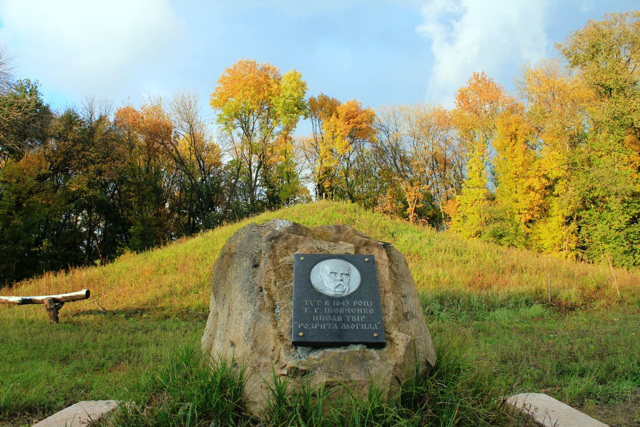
<point>555,168</point>
<point>80,187</point>
<point>558,168</point>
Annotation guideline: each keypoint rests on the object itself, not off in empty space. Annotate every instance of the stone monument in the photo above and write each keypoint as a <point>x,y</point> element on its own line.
<point>339,281</point>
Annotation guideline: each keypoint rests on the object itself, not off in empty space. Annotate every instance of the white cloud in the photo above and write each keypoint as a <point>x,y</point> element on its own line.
<point>587,6</point>
<point>493,36</point>
<point>86,47</point>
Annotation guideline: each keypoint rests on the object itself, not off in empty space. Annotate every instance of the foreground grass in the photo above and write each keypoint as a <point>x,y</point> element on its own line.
<point>534,322</point>
<point>192,392</point>
<point>581,358</point>
<point>48,367</point>
<point>188,391</point>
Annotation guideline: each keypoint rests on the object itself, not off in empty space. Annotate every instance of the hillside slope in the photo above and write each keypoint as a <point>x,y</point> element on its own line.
<point>488,302</point>
<point>175,278</point>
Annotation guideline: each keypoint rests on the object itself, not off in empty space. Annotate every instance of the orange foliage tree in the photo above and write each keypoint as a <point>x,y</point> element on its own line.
<point>146,186</point>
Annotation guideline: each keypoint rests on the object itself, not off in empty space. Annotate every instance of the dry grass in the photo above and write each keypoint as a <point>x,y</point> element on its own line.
<point>176,278</point>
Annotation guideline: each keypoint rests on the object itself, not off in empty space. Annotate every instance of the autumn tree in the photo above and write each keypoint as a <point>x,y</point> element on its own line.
<point>147,182</point>
<point>556,113</point>
<point>606,56</point>
<point>393,160</point>
<point>318,152</point>
<point>197,160</point>
<point>416,151</point>
<point>439,152</point>
<point>348,133</point>
<point>478,106</point>
<point>518,196</point>
<point>256,105</point>
<point>282,177</point>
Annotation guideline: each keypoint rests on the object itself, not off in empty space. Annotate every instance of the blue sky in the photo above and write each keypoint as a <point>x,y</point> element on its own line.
<point>378,52</point>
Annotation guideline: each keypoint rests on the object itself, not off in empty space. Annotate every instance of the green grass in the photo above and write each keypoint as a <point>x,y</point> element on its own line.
<point>47,367</point>
<point>577,358</point>
<point>188,391</point>
<point>191,391</point>
<point>483,301</point>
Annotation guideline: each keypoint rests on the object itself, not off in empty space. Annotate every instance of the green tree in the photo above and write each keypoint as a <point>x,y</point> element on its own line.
<point>24,120</point>
<point>606,56</point>
<point>28,201</point>
<point>54,212</point>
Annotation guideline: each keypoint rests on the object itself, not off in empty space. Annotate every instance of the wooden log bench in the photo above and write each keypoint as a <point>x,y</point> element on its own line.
<point>53,303</point>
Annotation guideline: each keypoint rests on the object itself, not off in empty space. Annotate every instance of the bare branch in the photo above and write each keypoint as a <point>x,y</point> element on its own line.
<point>5,69</point>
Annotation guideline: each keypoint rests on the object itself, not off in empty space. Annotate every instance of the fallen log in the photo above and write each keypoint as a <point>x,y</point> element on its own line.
<point>53,303</point>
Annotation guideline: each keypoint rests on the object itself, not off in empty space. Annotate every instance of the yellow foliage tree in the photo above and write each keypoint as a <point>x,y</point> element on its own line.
<point>317,149</point>
<point>256,105</point>
<point>556,111</point>
<point>478,105</point>
<point>519,193</point>
<point>347,132</point>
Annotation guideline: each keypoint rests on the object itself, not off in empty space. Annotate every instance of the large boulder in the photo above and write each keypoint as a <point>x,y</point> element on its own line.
<point>250,312</point>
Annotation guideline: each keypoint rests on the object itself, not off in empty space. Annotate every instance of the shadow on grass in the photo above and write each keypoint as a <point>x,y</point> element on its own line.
<point>126,313</point>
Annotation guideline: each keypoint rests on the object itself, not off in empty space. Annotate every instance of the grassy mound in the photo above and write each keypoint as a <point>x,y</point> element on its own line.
<point>531,322</point>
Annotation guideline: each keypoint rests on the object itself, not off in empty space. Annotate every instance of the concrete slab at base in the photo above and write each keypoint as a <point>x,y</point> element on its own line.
<point>550,412</point>
<point>80,414</point>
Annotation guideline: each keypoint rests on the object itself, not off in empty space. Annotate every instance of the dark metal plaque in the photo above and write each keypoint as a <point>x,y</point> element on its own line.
<point>336,301</point>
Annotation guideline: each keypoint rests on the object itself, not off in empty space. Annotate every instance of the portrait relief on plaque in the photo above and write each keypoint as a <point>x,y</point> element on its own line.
<point>335,277</point>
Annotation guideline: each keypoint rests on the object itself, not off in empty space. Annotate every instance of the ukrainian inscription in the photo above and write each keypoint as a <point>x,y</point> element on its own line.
<point>336,301</point>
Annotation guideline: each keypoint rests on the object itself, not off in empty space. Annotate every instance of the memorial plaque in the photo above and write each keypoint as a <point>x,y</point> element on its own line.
<point>336,301</point>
